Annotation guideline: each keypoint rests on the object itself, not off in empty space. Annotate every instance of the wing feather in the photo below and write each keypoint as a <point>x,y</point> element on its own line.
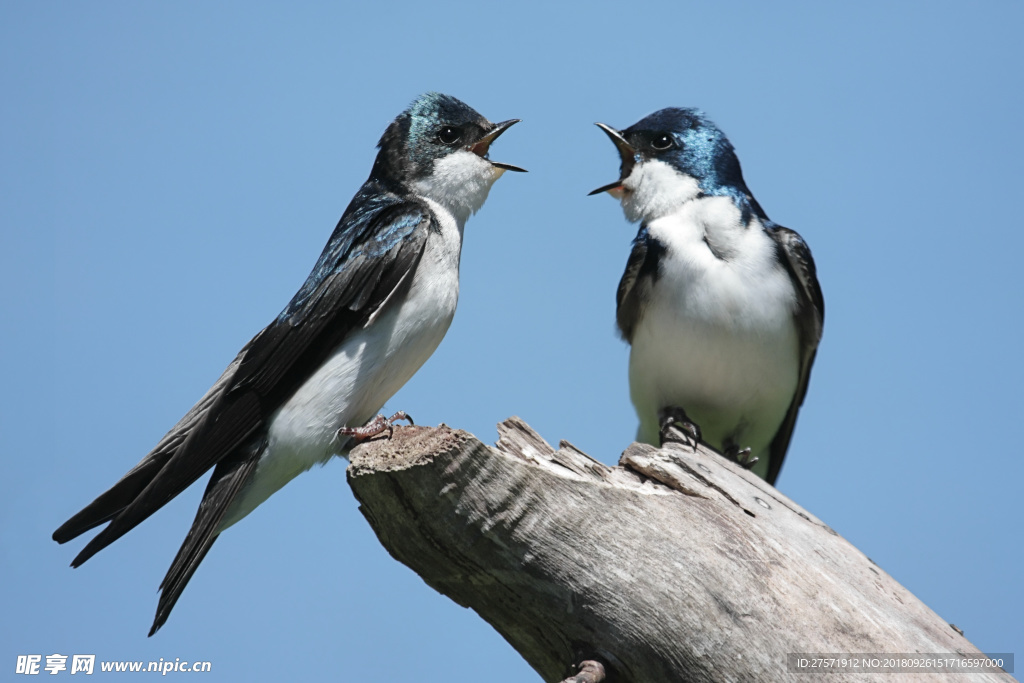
<point>810,317</point>
<point>635,285</point>
<point>377,243</point>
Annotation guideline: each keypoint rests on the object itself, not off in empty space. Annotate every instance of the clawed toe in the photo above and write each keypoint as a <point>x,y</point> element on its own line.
<point>377,425</point>
<point>740,456</point>
<point>669,417</point>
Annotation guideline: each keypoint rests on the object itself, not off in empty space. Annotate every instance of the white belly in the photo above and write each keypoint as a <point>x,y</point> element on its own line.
<point>357,379</point>
<point>718,339</point>
<point>735,384</point>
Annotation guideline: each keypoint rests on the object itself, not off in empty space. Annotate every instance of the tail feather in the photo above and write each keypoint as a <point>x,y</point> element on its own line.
<point>127,490</point>
<point>110,503</point>
<point>192,460</point>
<point>228,479</point>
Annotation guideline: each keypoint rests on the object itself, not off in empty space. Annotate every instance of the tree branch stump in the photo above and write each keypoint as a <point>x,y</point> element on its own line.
<point>676,565</point>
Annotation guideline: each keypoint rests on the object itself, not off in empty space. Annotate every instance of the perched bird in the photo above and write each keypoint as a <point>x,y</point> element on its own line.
<point>721,306</point>
<point>375,306</point>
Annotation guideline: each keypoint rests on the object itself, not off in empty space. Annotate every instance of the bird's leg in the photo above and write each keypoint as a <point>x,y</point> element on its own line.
<point>374,427</point>
<point>675,416</point>
<point>740,456</point>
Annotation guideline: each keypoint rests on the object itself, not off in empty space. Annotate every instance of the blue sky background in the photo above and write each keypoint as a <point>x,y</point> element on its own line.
<point>170,174</point>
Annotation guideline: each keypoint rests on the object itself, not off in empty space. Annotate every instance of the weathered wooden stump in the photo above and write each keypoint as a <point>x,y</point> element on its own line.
<point>674,566</point>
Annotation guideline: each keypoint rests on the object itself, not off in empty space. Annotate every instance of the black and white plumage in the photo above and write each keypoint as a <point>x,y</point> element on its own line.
<point>721,306</point>
<point>375,307</point>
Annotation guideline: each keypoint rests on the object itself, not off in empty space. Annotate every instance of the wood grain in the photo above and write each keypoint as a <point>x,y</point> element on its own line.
<point>674,566</point>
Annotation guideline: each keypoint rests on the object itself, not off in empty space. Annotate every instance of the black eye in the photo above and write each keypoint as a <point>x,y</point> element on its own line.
<point>448,135</point>
<point>662,141</point>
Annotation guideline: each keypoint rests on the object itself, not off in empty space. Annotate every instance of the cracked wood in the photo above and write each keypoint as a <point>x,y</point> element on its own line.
<point>675,565</point>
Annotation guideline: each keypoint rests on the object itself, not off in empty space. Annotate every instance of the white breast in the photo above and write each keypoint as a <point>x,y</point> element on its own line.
<point>363,373</point>
<point>718,338</point>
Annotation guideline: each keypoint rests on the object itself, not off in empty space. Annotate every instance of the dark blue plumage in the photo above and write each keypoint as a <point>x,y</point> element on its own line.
<point>721,306</point>
<point>370,313</point>
<point>702,152</point>
<point>375,222</point>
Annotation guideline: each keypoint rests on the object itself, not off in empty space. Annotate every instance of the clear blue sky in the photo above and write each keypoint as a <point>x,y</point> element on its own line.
<point>170,174</point>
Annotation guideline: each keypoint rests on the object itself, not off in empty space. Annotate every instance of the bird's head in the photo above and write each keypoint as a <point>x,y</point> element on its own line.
<point>668,158</point>
<point>439,148</point>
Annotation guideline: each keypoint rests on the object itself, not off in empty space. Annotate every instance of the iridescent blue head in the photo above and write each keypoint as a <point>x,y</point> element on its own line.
<point>434,127</point>
<point>672,156</point>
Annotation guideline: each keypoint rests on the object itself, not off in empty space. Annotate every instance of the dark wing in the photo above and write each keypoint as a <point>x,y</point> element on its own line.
<point>228,479</point>
<point>810,317</point>
<point>119,496</point>
<point>348,288</point>
<point>635,285</point>
<point>377,244</point>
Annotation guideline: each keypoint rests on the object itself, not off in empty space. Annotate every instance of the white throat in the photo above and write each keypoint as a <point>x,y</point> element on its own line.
<point>654,189</point>
<point>459,182</point>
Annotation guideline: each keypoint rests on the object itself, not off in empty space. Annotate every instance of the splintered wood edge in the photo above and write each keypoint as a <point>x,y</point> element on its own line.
<point>407,447</point>
<point>692,472</point>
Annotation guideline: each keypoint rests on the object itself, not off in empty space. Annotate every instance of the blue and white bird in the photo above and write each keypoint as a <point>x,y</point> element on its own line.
<point>721,306</point>
<point>376,305</point>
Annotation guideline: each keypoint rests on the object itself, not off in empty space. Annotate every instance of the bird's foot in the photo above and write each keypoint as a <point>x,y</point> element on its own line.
<point>377,425</point>
<point>673,416</point>
<point>590,671</point>
<point>740,456</point>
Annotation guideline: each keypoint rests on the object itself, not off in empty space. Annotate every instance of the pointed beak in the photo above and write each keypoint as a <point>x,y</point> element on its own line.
<point>482,147</point>
<point>628,155</point>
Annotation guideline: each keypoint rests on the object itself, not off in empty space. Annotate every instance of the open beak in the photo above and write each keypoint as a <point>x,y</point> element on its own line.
<point>628,155</point>
<point>483,146</point>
